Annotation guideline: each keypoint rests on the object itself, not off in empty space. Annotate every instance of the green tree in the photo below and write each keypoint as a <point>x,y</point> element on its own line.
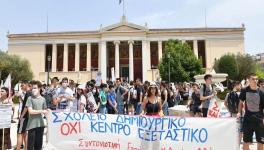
<point>236,66</point>
<point>182,62</point>
<point>246,65</point>
<point>259,72</point>
<point>18,67</point>
<point>228,64</point>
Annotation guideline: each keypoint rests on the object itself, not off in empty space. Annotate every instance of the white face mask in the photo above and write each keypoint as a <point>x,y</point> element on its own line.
<point>64,84</point>
<point>35,92</point>
<point>94,90</point>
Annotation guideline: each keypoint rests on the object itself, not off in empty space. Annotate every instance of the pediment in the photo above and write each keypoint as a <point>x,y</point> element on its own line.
<point>124,27</point>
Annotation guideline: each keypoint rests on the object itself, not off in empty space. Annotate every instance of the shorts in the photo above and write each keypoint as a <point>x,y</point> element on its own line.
<point>249,127</point>
<point>22,125</point>
<point>195,109</point>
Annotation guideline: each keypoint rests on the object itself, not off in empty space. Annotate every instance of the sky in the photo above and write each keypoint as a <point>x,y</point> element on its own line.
<point>30,16</point>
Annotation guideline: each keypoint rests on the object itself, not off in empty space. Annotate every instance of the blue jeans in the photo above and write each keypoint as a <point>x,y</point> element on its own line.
<point>165,109</point>
<point>102,109</point>
<point>138,109</point>
<point>120,109</point>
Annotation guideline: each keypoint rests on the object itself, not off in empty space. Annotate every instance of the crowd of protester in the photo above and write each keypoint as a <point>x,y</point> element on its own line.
<point>123,97</point>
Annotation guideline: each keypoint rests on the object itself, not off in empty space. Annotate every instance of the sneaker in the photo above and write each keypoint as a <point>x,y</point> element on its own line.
<point>12,121</point>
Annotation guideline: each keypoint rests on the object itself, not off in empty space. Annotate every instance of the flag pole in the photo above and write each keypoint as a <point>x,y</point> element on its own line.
<point>123,7</point>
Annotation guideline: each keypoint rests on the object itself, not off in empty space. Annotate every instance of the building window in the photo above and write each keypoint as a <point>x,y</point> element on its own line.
<point>83,57</point>
<point>60,51</point>
<point>154,56</point>
<point>94,55</point>
<point>48,57</point>
<point>201,52</point>
<point>71,57</point>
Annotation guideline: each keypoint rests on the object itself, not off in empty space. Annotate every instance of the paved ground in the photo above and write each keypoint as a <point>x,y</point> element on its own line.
<point>14,135</point>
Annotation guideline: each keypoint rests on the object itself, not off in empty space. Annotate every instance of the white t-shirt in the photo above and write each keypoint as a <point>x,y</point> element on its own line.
<point>64,92</point>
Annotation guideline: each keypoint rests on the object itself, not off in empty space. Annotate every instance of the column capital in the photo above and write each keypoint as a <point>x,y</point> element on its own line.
<point>116,42</point>
<point>130,42</point>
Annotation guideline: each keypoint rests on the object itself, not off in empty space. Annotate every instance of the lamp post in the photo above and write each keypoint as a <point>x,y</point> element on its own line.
<point>49,60</point>
<point>91,73</point>
<point>168,55</point>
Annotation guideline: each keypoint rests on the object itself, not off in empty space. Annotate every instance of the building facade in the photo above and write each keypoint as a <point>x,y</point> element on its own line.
<point>133,51</point>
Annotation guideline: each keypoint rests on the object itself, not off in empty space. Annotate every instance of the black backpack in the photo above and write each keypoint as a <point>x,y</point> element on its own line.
<point>232,102</point>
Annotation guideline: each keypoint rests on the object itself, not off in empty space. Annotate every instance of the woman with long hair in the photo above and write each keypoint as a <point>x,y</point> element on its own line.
<point>5,100</point>
<point>151,104</point>
<point>81,99</point>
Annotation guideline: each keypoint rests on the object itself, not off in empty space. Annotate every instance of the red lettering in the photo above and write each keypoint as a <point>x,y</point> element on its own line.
<point>73,127</point>
<point>70,128</point>
<point>62,129</point>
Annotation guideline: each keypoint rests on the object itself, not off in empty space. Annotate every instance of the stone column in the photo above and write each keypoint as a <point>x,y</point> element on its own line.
<point>65,58</point>
<point>131,61</point>
<point>77,57</point>
<point>88,57</point>
<point>144,60</point>
<point>195,48</point>
<point>103,62</point>
<point>117,58</point>
<point>54,58</point>
<point>160,50</point>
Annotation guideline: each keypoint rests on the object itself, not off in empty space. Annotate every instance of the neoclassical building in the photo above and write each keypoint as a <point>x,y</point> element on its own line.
<point>133,51</point>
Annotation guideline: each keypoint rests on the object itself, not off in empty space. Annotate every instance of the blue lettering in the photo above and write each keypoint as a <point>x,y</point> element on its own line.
<point>193,137</point>
<point>56,117</point>
<point>205,135</point>
<point>68,115</point>
<point>79,116</point>
<point>181,122</point>
<point>93,127</point>
<point>119,119</point>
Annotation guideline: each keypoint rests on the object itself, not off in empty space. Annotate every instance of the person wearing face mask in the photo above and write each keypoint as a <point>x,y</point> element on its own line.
<point>36,105</point>
<point>64,96</point>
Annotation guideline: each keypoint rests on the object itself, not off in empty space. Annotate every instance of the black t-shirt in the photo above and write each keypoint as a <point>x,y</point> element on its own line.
<point>254,101</point>
<point>139,90</point>
<point>27,95</point>
<point>196,99</point>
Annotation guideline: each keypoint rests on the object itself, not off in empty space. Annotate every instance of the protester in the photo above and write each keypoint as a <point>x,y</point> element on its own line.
<point>23,119</point>
<point>140,95</point>
<point>165,95</point>
<point>111,100</point>
<point>232,99</point>
<point>103,100</point>
<point>120,95</point>
<point>4,100</point>
<point>151,104</point>
<point>206,94</point>
<point>195,101</point>
<point>261,84</point>
<point>254,117</point>
<point>36,105</point>
<point>50,92</point>
<point>79,102</point>
<point>64,96</point>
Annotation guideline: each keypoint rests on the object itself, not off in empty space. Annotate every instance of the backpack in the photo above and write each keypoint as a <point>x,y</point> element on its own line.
<point>232,102</point>
<point>48,95</point>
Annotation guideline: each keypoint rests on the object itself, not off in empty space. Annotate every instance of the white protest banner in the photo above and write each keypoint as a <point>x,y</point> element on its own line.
<point>68,131</point>
<point>214,109</point>
<point>5,115</point>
